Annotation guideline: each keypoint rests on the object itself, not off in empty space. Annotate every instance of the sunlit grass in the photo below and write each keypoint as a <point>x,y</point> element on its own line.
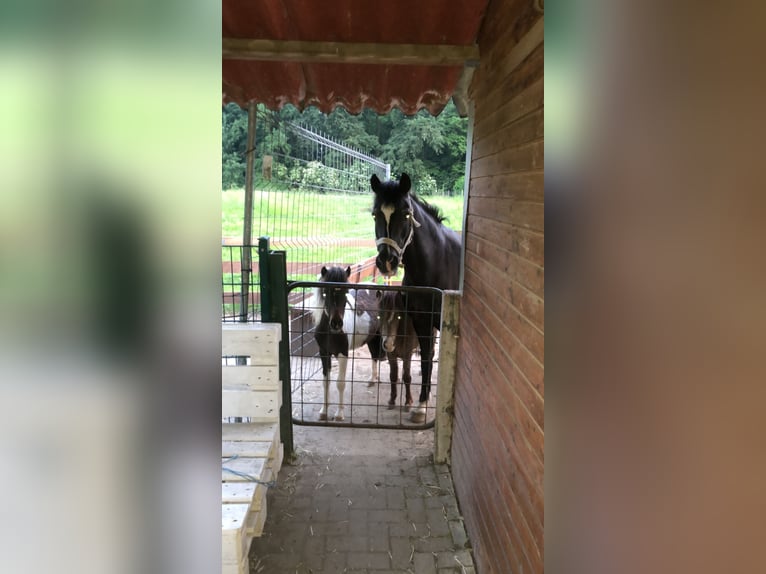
<point>293,213</point>
<point>312,228</point>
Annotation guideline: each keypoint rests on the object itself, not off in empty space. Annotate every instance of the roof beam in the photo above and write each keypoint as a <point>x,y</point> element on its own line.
<point>350,53</point>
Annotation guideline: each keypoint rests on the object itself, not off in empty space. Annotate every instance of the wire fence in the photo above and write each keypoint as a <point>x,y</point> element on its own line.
<point>375,395</point>
<point>312,199</point>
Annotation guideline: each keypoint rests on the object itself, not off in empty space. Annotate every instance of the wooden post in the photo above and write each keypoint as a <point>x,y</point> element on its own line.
<point>247,234</point>
<point>445,395</point>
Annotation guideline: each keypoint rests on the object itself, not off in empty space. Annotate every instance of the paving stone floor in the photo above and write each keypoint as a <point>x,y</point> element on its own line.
<point>361,501</point>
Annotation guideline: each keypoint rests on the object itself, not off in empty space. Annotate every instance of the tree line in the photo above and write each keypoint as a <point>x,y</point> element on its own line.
<point>430,149</point>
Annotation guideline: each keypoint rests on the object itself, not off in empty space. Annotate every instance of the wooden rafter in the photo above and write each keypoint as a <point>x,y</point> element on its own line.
<point>350,53</point>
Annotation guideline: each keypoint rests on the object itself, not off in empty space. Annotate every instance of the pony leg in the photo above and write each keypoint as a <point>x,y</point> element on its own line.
<point>393,365</point>
<point>375,374</point>
<point>407,378</point>
<point>342,363</point>
<point>326,384</point>
<point>375,345</point>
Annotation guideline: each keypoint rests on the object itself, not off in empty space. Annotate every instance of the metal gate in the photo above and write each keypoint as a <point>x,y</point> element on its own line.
<point>304,176</point>
<point>366,405</point>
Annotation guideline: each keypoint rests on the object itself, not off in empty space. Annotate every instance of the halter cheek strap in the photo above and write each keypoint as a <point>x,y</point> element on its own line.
<point>393,244</point>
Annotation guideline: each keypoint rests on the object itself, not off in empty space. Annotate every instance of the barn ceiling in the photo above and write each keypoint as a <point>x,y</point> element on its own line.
<point>356,54</point>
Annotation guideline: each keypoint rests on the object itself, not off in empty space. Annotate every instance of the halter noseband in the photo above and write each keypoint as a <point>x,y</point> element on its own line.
<point>393,244</point>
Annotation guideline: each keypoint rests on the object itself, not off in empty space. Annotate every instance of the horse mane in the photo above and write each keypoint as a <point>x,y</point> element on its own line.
<point>316,302</point>
<point>334,274</point>
<point>390,300</point>
<point>391,192</point>
<point>316,306</point>
<point>429,208</point>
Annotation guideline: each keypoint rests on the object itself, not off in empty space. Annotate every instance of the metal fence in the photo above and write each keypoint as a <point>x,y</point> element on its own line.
<point>366,404</point>
<point>312,199</point>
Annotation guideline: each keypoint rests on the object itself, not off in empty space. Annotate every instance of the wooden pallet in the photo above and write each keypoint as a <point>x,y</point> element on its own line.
<point>251,453</point>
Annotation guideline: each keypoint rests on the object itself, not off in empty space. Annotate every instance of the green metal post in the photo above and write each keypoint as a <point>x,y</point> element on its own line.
<point>274,309</point>
<point>280,314</point>
<point>263,273</point>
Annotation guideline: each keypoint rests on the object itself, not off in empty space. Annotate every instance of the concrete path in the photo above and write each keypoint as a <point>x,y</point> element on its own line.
<point>360,501</point>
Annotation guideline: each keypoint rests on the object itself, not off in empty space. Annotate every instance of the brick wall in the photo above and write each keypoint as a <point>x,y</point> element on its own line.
<point>498,441</point>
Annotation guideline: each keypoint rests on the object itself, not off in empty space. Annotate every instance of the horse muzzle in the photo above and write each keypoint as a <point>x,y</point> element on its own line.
<point>387,263</point>
<point>336,325</point>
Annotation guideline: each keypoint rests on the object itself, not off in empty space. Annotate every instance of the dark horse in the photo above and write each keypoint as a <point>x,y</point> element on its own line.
<point>399,341</point>
<point>345,320</point>
<point>409,232</point>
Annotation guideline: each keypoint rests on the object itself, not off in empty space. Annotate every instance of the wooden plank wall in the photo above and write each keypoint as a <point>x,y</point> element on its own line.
<point>497,453</point>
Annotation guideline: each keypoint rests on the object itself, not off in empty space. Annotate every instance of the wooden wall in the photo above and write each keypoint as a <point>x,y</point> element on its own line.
<point>497,450</point>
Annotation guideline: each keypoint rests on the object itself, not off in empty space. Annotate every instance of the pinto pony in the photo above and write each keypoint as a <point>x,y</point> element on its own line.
<point>410,232</point>
<point>345,320</point>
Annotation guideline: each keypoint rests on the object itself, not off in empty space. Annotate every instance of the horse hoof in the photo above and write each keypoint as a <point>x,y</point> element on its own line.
<point>371,383</point>
<point>391,406</point>
<point>322,416</point>
<point>407,408</point>
<point>417,417</point>
<point>340,418</point>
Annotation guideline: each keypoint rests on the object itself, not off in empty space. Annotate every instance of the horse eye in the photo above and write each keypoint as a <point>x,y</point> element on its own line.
<point>373,216</point>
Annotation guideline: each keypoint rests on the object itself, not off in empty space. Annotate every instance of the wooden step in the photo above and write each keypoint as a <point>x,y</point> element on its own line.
<point>244,502</point>
<point>251,453</point>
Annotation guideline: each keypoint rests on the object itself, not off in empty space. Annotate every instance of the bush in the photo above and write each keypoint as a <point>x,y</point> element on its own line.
<point>426,185</point>
<point>233,173</point>
<point>318,177</point>
<point>457,189</point>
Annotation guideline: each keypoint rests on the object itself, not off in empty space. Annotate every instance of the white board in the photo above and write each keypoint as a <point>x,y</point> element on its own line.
<point>250,376</point>
<point>260,406</point>
<point>250,431</point>
<point>252,467</point>
<point>259,341</point>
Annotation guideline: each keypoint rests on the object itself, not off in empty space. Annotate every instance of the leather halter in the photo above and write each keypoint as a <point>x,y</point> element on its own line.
<point>393,244</point>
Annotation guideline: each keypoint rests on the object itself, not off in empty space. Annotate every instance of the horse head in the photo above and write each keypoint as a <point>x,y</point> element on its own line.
<point>390,314</point>
<point>394,221</point>
<point>333,297</point>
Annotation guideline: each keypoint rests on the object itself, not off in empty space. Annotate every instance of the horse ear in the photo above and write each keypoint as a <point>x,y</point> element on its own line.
<point>324,271</point>
<point>404,183</point>
<point>375,183</point>
<point>348,271</point>
<point>378,294</point>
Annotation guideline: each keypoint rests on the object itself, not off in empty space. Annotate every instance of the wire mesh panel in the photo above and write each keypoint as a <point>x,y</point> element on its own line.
<point>312,199</point>
<point>367,398</point>
<point>241,291</point>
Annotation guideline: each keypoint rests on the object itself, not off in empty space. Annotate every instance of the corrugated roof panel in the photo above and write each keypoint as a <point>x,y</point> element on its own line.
<point>410,88</point>
<point>353,86</point>
<point>271,83</point>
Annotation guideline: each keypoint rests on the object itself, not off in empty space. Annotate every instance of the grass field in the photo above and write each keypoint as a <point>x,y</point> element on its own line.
<point>311,227</point>
<point>301,214</point>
